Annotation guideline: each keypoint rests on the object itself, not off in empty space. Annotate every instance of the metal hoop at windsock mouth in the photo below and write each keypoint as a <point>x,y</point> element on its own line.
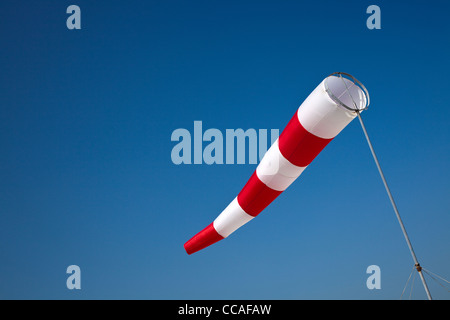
<point>348,81</point>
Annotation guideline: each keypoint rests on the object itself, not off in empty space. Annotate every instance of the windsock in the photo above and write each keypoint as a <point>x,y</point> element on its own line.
<point>319,119</point>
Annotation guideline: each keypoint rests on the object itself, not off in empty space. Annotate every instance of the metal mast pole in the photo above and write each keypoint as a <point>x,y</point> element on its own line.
<point>417,265</point>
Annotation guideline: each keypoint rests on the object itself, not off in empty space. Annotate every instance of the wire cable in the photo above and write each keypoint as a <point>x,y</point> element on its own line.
<point>407,281</point>
<point>429,273</point>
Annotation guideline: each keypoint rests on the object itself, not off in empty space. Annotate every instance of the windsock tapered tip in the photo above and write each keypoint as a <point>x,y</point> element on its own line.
<point>203,239</point>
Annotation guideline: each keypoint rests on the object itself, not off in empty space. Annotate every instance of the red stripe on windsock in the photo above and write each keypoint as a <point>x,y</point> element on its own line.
<point>298,145</point>
<point>255,196</point>
<point>201,240</point>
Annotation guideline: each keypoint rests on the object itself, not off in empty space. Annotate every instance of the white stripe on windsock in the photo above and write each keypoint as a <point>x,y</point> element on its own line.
<point>275,171</point>
<point>321,116</point>
<point>232,218</point>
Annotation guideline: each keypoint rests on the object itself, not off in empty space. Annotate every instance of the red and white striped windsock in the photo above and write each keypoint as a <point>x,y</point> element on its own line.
<point>326,111</point>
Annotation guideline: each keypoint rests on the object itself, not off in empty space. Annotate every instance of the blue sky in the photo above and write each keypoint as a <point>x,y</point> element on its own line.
<point>86,176</point>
